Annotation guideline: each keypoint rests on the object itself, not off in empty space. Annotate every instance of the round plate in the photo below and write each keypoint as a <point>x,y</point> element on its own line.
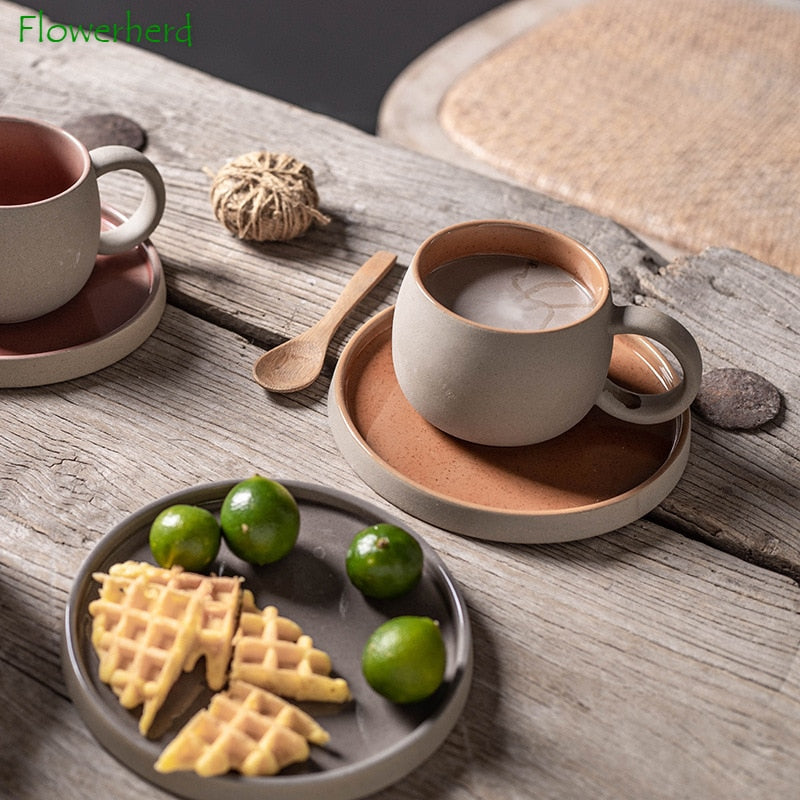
<point>114,313</point>
<point>595,478</point>
<point>373,742</point>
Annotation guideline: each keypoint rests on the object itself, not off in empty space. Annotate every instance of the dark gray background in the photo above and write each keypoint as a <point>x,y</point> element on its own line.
<point>337,57</point>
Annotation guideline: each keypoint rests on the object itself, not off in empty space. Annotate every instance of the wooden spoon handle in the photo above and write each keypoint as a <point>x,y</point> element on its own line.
<point>365,278</point>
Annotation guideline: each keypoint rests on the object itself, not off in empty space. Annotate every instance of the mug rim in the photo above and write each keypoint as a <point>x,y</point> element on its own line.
<point>588,258</point>
<point>62,134</point>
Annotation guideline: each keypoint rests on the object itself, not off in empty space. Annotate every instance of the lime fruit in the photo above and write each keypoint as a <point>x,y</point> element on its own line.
<point>384,561</point>
<point>186,536</point>
<point>260,520</point>
<point>404,659</point>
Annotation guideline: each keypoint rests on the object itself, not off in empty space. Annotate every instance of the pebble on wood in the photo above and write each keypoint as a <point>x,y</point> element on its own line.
<point>737,399</point>
<point>96,130</point>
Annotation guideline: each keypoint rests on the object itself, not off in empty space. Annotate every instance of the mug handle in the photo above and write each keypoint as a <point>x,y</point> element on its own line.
<point>147,216</point>
<point>652,408</point>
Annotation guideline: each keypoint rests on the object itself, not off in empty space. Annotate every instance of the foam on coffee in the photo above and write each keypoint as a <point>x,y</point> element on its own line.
<point>510,292</point>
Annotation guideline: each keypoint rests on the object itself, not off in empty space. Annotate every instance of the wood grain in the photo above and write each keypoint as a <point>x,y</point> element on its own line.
<point>659,661</point>
<point>379,196</point>
<point>741,490</point>
<point>638,663</point>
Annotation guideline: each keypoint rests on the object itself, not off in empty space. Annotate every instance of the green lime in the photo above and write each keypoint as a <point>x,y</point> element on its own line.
<point>384,561</point>
<point>404,659</point>
<point>184,535</point>
<point>260,520</point>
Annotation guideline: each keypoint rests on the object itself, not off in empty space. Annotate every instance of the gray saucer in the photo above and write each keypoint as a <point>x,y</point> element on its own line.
<point>373,742</point>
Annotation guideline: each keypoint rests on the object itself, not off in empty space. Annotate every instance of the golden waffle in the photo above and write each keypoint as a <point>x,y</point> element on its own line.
<point>272,652</point>
<point>220,611</point>
<point>148,627</point>
<point>246,729</point>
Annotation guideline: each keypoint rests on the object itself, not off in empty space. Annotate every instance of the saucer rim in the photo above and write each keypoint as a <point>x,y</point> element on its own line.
<point>26,370</point>
<point>486,522</point>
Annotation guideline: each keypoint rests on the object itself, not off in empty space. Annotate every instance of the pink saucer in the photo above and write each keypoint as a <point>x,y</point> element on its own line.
<point>114,313</point>
<point>598,476</point>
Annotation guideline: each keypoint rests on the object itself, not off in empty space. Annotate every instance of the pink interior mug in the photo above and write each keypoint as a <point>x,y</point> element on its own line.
<point>50,223</point>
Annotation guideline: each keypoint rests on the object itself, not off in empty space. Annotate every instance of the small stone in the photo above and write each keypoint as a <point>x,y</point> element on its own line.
<point>96,130</point>
<point>737,399</point>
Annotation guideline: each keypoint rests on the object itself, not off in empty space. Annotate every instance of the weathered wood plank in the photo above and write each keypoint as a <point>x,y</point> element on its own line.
<point>636,664</point>
<point>574,693</point>
<point>269,292</point>
<point>378,195</point>
<point>37,763</point>
<point>389,199</point>
<point>741,490</point>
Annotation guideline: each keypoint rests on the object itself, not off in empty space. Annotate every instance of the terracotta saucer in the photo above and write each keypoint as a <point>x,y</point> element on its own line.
<point>598,476</point>
<point>114,313</point>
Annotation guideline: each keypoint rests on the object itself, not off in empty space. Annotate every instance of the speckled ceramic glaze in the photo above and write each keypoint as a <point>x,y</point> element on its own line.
<point>373,742</point>
<point>50,214</point>
<point>504,387</point>
<point>598,476</point>
<point>116,311</point>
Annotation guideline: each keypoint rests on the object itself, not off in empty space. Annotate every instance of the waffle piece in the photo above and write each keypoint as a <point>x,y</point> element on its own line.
<point>246,729</point>
<point>214,641</point>
<point>148,627</point>
<point>272,652</point>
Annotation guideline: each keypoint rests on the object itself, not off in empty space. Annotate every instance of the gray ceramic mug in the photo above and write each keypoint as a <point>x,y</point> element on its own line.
<point>50,228</point>
<point>481,380</point>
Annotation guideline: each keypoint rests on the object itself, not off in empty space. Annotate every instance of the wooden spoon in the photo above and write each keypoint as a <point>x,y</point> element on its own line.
<point>295,364</point>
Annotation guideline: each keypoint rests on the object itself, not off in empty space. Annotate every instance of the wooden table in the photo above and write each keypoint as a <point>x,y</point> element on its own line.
<point>658,661</point>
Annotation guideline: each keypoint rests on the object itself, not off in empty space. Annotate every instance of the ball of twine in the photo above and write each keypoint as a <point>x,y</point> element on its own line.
<point>266,197</point>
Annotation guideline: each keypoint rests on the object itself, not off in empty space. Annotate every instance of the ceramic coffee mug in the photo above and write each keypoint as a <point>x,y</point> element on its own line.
<point>50,214</point>
<point>503,332</point>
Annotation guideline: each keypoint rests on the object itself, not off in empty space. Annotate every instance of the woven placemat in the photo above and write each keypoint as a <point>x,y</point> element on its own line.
<point>677,118</point>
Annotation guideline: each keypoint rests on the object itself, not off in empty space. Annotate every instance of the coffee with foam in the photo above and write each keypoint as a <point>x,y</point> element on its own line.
<point>510,292</point>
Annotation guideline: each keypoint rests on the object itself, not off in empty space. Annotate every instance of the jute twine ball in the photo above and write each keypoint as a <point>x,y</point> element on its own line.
<point>266,197</point>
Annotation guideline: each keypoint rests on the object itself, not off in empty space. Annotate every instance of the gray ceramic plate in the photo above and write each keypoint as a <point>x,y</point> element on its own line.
<point>373,743</point>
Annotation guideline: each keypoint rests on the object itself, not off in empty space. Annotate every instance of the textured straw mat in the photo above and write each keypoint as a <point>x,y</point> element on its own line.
<point>677,118</point>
